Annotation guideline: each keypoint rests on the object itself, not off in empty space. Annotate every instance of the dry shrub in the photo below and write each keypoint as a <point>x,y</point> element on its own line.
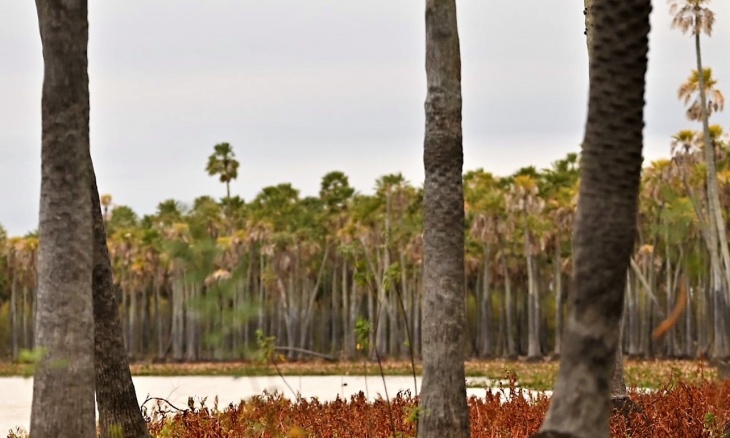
<point>677,410</point>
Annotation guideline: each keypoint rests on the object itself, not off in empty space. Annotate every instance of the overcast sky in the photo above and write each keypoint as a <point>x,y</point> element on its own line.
<point>303,88</point>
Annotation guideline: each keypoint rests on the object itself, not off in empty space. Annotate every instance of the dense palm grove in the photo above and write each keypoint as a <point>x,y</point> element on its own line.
<point>341,272</point>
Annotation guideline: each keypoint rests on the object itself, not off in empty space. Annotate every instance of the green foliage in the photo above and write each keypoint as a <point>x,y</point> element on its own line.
<point>222,162</point>
<point>266,347</point>
<point>363,330</point>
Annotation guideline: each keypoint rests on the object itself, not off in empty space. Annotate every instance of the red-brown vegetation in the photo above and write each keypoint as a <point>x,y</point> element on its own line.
<point>678,410</point>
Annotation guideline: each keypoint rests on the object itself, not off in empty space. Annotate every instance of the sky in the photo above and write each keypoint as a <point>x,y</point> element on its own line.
<point>303,88</point>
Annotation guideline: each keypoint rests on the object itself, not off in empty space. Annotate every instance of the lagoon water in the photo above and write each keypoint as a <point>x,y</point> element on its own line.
<point>17,392</point>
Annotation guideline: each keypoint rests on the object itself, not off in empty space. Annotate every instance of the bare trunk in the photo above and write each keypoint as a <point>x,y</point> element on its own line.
<point>178,316</point>
<point>717,223</point>
<point>485,309</point>
<point>27,315</point>
<point>335,343</point>
<point>558,282</point>
<point>509,330</point>
<point>116,398</point>
<point>14,326</point>
<point>132,325</point>
<point>192,323</point>
<point>443,389</point>
<point>158,318</point>
<point>63,385</point>
<point>533,303</point>
<point>605,222</point>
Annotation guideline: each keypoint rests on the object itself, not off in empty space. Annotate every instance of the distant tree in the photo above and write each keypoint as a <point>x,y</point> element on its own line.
<point>689,92</point>
<point>106,203</point>
<point>63,385</point>
<point>121,217</point>
<point>222,162</point>
<point>605,226</point>
<point>693,16</point>
<point>443,405</point>
<point>335,191</point>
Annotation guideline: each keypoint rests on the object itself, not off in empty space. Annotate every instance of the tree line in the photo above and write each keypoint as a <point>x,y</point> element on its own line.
<point>197,282</point>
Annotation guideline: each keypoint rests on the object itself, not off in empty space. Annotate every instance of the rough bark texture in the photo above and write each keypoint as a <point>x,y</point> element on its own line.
<point>119,413</point>
<point>587,11</point>
<point>63,388</point>
<point>443,407</point>
<point>618,383</point>
<point>606,218</point>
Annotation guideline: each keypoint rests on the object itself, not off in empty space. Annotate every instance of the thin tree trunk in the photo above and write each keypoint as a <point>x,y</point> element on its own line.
<point>116,398</point>
<point>533,303</point>
<point>158,320</point>
<point>63,384</point>
<point>132,325</point>
<point>14,326</point>
<point>178,317</point>
<point>335,312</point>
<point>717,223</point>
<point>27,315</point>
<point>485,308</point>
<point>443,389</point>
<point>558,282</point>
<point>509,329</point>
<point>192,324</point>
<point>605,225</point>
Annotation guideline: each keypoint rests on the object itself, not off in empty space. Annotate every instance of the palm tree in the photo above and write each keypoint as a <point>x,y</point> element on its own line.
<point>688,149</point>
<point>606,220</point>
<point>222,162</point>
<point>484,204</point>
<point>523,202</point>
<point>693,16</point>
<point>443,391</point>
<point>689,91</point>
<point>106,203</point>
<point>63,385</point>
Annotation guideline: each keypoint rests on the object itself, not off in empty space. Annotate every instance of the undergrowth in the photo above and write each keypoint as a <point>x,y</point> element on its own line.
<point>677,410</point>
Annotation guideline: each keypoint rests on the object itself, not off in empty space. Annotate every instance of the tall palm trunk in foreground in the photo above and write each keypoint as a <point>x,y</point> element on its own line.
<point>606,218</point>
<point>443,407</point>
<point>63,388</point>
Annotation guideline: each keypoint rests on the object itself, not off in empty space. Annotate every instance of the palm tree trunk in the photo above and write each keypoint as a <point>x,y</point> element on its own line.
<point>132,325</point>
<point>178,316</point>
<point>721,284</point>
<point>485,308</point>
<point>509,310</point>
<point>27,314</point>
<point>417,315</point>
<point>119,413</point>
<point>558,283</point>
<point>533,303</point>
<point>14,326</point>
<point>443,388</point>
<point>63,396</point>
<point>158,321</point>
<point>605,225</point>
<point>348,324</point>
<point>335,312</point>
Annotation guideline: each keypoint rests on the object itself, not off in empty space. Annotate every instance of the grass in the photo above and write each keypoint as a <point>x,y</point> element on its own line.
<point>534,375</point>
